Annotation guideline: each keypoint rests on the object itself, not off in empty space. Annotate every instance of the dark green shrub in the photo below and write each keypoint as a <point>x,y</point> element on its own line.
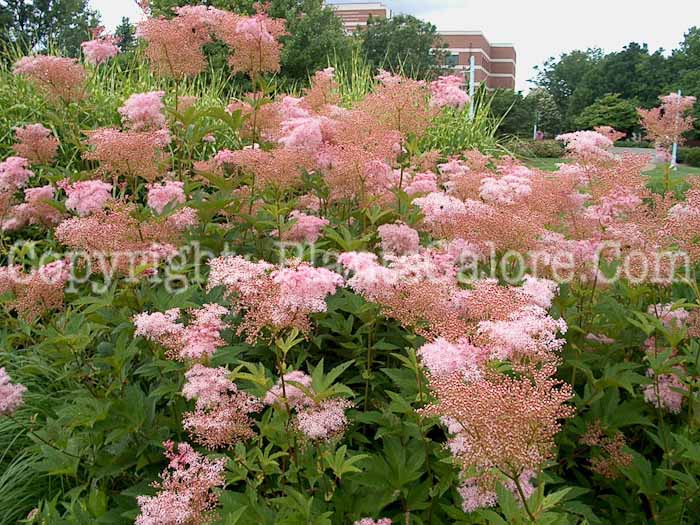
<point>690,156</point>
<point>540,148</point>
<point>634,144</point>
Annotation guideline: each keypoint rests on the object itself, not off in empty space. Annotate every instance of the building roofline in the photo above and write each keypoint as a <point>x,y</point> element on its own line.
<point>458,33</point>
<point>358,5</point>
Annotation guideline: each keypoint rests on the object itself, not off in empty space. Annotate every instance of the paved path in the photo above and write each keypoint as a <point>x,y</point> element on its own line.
<point>649,152</point>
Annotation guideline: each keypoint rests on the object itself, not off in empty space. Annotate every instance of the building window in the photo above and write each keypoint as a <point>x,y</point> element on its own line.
<point>452,60</point>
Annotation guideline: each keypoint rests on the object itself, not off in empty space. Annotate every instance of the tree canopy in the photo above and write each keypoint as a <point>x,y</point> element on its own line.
<point>40,24</point>
<point>580,80</point>
<point>610,110</point>
<point>402,43</point>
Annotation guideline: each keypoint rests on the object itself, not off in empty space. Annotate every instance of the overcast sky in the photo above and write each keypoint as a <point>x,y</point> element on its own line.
<point>538,28</point>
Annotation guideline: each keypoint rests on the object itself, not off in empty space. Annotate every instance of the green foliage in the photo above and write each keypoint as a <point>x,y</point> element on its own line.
<point>551,149</point>
<point>580,78</point>
<point>610,110</point>
<point>547,114</point>
<point>126,33</point>
<point>316,39</point>
<point>690,156</point>
<point>516,114</point>
<point>100,401</point>
<point>42,24</point>
<point>402,43</point>
<point>453,131</point>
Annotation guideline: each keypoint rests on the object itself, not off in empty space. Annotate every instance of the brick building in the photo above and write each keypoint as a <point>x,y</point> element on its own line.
<point>355,15</point>
<point>494,63</point>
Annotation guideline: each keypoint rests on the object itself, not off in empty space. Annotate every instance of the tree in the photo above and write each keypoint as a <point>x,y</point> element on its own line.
<point>126,33</point>
<point>610,110</point>
<point>315,39</point>
<point>544,107</point>
<point>39,24</point>
<point>563,77</point>
<point>634,73</point>
<point>516,112</point>
<point>685,67</point>
<point>402,43</point>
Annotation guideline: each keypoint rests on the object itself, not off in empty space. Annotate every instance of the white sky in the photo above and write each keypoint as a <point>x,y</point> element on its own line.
<point>538,28</point>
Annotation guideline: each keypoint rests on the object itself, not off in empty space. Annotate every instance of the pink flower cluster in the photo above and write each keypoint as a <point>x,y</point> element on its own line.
<point>442,357</point>
<point>35,143</point>
<point>175,45</point>
<point>60,79</point>
<point>38,291</point>
<point>221,416</point>
<point>294,394</point>
<point>671,317</point>
<point>666,392</point>
<point>129,153</point>
<point>587,146</point>
<point>422,183</point>
<point>101,48</point>
<point>273,298</point>
<point>323,421</point>
<point>398,239</point>
<point>304,132</point>
<point>143,111</point>
<point>198,340</point>
<point>505,190</point>
<point>667,123</point>
<point>10,394</point>
<point>316,420</point>
<point>164,194</point>
<point>255,45</point>
<point>36,209</point>
<point>87,196</point>
<point>14,173</point>
<point>526,332</point>
<point>448,91</point>
<point>186,489</point>
<point>479,492</point>
<point>306,228</point>
<point>613,206</point>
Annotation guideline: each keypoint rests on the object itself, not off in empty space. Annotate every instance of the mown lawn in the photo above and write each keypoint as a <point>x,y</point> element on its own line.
<point>550,164</point>
<point>544,163</point>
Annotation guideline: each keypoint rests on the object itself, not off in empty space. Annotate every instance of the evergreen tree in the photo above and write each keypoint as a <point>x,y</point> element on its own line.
<point>126,33</point>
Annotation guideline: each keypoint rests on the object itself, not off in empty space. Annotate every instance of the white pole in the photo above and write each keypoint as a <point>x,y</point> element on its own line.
<point>674,151</point>
<point>472,82</point>
<point>534,131</point>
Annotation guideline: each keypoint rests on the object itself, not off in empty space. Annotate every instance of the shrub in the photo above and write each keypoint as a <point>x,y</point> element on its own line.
<point>539,148</point>
<point>689,156</point>
<point>308,310</point>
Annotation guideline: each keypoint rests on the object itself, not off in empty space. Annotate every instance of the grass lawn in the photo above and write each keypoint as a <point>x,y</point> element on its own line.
<point>549,164</point>
<point>682,170</point>
<point>545,164</point>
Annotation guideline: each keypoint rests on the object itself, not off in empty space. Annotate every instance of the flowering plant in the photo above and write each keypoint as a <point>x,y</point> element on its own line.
<point>313,309</point>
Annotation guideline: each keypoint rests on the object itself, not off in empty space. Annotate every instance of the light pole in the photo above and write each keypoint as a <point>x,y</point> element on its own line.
<point>472,82</point>
<point>674,150</point>
<point>537,121</point>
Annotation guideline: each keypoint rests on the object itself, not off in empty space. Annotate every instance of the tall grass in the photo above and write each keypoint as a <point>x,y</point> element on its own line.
<point>355,77</point>
<point>453,131</point>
